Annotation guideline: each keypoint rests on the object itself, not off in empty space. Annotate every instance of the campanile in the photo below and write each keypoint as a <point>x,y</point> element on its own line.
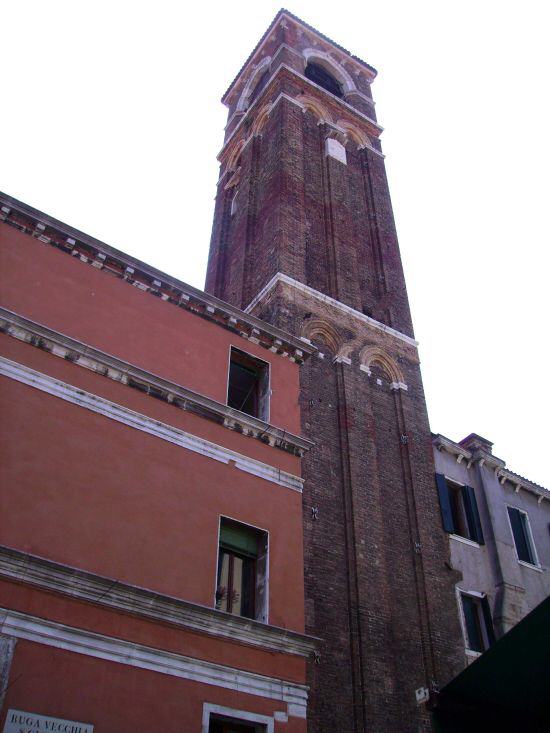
<point>304,238</point>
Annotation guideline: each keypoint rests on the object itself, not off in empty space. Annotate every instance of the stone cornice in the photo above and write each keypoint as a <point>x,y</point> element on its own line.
<point>174,394</point>
<point>348,310</point>
<point>491,462</point>
<point>14,624</point>
<point>90,587</point>
<point>146,424</point>
<point>284,16</point>
<point>103,257</point>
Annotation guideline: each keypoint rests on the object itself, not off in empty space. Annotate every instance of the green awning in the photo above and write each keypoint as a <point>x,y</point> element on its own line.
<point>508,687</point>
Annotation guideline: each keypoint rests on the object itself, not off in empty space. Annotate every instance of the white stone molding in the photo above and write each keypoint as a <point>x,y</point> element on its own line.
<point>332,66</point>
<point>376,129</point>
<point>281,277</point>
<point>144,277</point>
<point>256,74</point>
<point>90,587</point>
<point>360,67</point>
<point>81,641</point>
<point>208,709</point>
<point>336,150</point>
<point>146,424</point>
<point>119,370</point>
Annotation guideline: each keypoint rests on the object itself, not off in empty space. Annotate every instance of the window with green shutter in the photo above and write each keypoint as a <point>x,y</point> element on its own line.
<point>521,532</point>
<point>459,511</point>
<point>242,570</point>
<point>478,622</point>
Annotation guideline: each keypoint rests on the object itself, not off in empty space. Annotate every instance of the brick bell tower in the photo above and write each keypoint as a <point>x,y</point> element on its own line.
<point>304,237</point>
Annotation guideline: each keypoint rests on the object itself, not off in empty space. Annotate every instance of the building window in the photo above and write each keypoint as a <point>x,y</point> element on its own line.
<point>248,385</point>
<point>219,719</point>
<point>478,624</point>
<point>319,75</point>
<point>241,586</point>
<point>459,510</point>
<point>223,724</point>
<point>523,539</point>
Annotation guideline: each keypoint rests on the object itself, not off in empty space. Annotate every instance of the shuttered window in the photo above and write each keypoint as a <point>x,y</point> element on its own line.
<point>242,570</point>
<point>478,622</point>
<point>459,511</point>
<point>522,536</point>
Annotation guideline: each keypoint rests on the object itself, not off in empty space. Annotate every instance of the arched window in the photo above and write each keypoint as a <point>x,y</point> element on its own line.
<point>319,75</point>
<point>259,86</point>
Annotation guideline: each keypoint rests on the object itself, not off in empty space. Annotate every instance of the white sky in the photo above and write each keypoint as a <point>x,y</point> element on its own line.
<point>111,122</point>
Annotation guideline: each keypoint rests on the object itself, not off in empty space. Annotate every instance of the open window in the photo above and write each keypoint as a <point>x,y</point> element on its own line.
<point>224,724</point>
<point>459,510</point>
<point>248,384</point>
<point>478,624</point>
<point>242,576</point>
<point>319,75</point>
<point>523,539</point>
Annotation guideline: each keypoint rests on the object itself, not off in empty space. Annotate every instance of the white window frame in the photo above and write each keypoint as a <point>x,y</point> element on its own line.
<point>209,709</point>
<point>267,562</point>
<point>473,594</point>
<point>269,392</point>
<point>536,565</point>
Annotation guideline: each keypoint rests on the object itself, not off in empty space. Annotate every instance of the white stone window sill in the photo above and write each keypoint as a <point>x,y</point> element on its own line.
<point>471,653</point>
<point>529,565</point>
<point>465,540</point>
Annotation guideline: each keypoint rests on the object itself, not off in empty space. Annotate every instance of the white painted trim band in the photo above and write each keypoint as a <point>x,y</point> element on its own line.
<point>281,277</point>
<point>90,587</point>
<point>80,641</point>
<point>124,415</point>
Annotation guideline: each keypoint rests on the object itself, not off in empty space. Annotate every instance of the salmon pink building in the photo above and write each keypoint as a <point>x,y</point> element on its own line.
<point>151,558</point>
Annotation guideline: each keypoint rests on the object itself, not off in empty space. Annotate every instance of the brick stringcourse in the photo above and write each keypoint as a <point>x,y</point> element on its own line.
<point>118,370</point>
<point>103,257</point>
<point>93,588</point>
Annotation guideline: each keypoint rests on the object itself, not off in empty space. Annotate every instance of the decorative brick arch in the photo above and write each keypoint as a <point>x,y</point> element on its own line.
<point>234,154</point>
<point>313,105</point>
<point>324,330</point>
<point>333,67</point>
<point>255,76</point>
<point>355,134</point>
<point>261,119</point>
<point>373,355</point>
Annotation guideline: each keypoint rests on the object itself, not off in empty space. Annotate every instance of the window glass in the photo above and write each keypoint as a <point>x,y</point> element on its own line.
<point>522,537</point>
<point>241,586</point>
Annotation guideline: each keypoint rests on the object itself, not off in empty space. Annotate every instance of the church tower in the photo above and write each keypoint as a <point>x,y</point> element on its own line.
<point>304,238</point>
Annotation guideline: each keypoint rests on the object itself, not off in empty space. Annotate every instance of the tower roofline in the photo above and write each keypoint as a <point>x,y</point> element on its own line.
<point>283,13</point>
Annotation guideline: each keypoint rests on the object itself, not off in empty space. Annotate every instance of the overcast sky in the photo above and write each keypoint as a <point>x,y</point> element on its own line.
<point>111,122</point>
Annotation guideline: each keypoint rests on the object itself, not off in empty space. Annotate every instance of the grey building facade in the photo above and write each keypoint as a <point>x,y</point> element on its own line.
<point>498,525</point>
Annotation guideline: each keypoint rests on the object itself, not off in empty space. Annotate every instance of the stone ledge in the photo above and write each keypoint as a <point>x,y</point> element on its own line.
<point>118,370</point>
<point>144,277</point>
<point>90,587</point>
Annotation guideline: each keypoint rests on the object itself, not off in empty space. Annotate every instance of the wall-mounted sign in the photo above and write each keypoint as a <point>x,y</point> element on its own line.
<point>18,721</point>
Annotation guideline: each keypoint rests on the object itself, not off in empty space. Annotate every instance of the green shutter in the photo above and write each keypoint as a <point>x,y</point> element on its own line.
<point>445,503</point>
<point>237,537</point>
<point>472,514</point>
